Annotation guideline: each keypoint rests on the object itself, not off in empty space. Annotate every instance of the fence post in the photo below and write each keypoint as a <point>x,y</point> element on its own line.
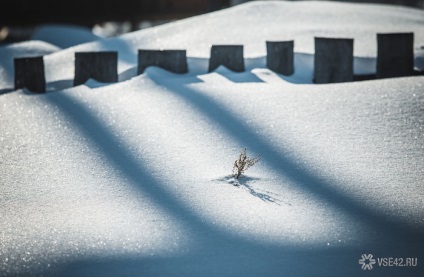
<point>333,61</point>
<point>29,73</point>
<point>171,60</point>
<point>395,55</point>
<point>280,56</point>
<point>230,56</point>
<point>101,66</point>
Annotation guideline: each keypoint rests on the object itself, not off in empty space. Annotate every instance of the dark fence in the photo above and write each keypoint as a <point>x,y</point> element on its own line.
<point>101,66</point>
<point>333,61</point>
<point>171,60</point>
<point>395,55</point>
<point>280,56</point>
<point>230,56</point>
<point>29,73</point>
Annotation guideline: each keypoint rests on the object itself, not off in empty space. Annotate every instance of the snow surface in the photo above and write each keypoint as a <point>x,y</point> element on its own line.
<point>18,50</point>
<point>133,178</point>
<point>251,25</point>
<point>63,36</point>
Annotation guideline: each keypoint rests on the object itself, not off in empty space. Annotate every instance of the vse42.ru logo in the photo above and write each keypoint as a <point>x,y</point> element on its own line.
<point>367,262</point>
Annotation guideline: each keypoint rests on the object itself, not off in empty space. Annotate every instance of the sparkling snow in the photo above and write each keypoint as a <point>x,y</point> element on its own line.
<point>133,178</point>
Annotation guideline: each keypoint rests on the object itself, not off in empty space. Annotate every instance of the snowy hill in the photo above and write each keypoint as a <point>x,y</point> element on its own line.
<point>133,178</point>
<point>251,25</point>
<point>18,50</point>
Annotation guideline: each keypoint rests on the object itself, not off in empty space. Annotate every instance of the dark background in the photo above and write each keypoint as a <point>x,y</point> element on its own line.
<point>89,12</point>
<point>20,17</point>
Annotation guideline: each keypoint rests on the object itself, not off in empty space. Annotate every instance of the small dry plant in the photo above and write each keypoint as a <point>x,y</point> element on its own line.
<point>243,163</point>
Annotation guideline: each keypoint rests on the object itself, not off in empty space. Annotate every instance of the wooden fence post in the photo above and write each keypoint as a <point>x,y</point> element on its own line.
<point>101,66</point>
<point>230,56</point>
<point>333,61</point>
<point>29,73</point>
<point>280,56</point>
<point>395,55</point>
<point>171,60</point>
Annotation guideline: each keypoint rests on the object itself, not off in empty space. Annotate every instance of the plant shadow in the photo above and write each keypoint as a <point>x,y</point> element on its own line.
<point>246,183</point>
<point>282,161</point>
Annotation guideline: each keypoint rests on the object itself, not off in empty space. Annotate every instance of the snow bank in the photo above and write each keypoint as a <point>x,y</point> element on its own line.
<point>252,24</point>
<point>249,24</point>
<point>16,50</point>
<point>133,178</point>
<point>63,36</point>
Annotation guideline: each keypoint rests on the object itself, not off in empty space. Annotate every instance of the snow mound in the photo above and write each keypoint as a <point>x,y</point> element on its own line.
<point>16,50</point>
<point>251,24</point>
<point>133,178</point>
<point>63,36</point>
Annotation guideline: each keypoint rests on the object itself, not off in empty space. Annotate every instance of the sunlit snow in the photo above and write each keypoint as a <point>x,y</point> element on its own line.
<point>133,178</point>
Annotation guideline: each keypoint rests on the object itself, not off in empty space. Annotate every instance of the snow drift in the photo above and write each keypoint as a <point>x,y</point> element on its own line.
<point>132,178</point>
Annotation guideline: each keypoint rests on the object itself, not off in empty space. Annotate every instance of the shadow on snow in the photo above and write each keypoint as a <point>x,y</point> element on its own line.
<point>217,251</point>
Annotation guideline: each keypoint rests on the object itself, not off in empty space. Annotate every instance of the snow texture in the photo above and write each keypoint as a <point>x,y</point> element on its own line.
<point>19,50</point>
<point>63,36</point>
<point>134,178</point>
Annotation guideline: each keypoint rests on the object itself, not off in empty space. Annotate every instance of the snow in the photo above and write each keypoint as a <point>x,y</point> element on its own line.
<point>17,50</point>
<point>133,178</point>
<point>249,25</point>
<point>63,36</point>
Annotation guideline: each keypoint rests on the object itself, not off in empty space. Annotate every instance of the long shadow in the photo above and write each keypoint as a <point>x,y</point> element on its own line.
<point>267,197</point>
<point>6,90</point>
<point>287,261</point>
<point>215,251</point>
<point>244,77</point>
<point>244,182</point>
<point>58,85</point>
<point>281,162</point>
<point>205,234</point>
<point>114,151</point>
